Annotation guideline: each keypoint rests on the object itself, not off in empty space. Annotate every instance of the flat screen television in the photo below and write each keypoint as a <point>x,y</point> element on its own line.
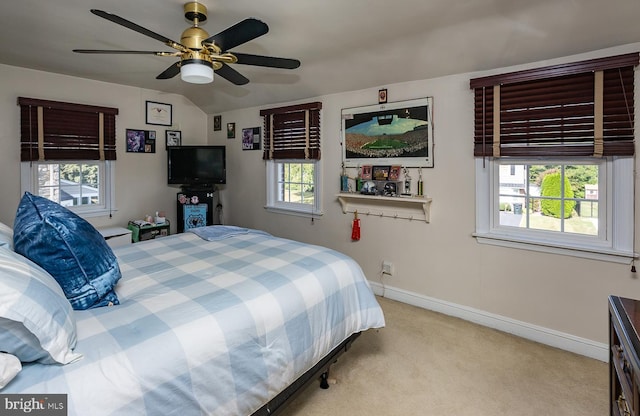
<point>196,165</point>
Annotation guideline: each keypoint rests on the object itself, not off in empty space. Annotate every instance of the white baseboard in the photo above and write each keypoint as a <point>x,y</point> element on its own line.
<point>553,338</point>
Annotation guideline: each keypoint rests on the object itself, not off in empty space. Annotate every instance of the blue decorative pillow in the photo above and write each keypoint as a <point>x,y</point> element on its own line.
<point>36,320</point>
<point>69,248</point>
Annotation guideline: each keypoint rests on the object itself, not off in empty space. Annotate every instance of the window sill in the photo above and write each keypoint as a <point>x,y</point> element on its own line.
<point>593,253</point>
<point>102,212</point>
<point>295,212</point>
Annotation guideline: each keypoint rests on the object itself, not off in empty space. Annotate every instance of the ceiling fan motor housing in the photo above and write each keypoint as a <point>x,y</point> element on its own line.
<point>192,37</point>
<point>195,11</point>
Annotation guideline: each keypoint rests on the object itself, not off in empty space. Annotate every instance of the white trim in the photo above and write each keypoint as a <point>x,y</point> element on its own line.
<point>603,254</point>
<point>107,184</point>
<point>273,205</point>
<point>297,212</point>
<point>615,244</point>
<point>623,203</point>
<point>551,337</point>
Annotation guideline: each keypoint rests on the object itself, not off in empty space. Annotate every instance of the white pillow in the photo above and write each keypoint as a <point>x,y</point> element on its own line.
<point>36,319</point>
<point>9,368</point>
<point>6,236</point>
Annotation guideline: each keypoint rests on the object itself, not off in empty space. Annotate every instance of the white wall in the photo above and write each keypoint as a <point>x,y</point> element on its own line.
<point>141,179</point>
<point>439,260</point>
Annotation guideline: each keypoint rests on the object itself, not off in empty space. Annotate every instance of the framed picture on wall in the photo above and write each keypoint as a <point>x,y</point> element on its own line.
<point>398,133</point>
<point>141,141</point>
<point>382,96</point>
<point>174,138</point>
<point>159,113</point>
<point>251,138</point>
<point>231,130</point>
<point>217,123</point>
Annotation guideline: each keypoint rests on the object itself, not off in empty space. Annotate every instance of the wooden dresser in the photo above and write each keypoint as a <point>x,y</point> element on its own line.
<point>624,366</point>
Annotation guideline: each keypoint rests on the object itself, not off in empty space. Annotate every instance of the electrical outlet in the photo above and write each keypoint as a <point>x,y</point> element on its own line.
<point>387,268</point>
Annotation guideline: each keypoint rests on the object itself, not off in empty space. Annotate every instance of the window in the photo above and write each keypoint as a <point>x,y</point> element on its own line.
<point>554,158</point>
<point>558,197</point>
<point>68,152</point>
<point>292,186</point>
<point>292,152</point>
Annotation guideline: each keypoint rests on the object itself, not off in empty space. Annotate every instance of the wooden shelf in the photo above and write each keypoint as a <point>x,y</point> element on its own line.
<point>408,208</point>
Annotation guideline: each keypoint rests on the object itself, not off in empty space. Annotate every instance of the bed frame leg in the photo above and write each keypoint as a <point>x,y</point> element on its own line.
<point>324,380</point>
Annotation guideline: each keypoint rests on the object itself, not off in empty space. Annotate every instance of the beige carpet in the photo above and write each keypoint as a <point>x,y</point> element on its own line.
<point>425,363</point>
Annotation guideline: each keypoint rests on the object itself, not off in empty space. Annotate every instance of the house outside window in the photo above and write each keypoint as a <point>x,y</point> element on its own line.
<point>292,155</point>
<point>554,159</point>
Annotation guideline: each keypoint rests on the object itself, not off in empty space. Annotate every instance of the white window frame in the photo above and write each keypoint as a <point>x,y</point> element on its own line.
<point>615,241</point>
<point>292,208</point>
<point>29,183</point>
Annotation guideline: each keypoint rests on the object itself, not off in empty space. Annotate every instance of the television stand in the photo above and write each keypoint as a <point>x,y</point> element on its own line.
<point>194,207</point>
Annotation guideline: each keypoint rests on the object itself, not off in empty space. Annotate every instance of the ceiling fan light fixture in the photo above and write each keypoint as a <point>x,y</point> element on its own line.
<point>196,71</point>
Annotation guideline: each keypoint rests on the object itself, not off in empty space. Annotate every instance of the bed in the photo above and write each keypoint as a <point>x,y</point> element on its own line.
<point>228,321</point>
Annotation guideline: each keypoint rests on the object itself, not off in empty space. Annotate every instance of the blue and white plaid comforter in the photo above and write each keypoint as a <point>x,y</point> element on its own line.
<point>208,327</point>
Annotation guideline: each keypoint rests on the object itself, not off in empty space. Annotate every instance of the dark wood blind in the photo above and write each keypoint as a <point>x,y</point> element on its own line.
<point>580,109</point>
<point>292,132</point>
<point>52,130</point>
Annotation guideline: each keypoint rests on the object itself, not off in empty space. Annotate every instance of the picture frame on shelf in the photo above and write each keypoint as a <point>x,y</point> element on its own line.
<point>394,172</point>
<point>365,172</point>
<point>159,114</point>
<point>173,137</point>
<point>381,173</point>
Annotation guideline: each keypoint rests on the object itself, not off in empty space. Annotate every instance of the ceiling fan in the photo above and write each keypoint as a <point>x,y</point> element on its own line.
<point>200,54</point>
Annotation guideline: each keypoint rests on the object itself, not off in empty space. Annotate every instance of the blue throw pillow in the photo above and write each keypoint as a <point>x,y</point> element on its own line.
<point>69,248</point>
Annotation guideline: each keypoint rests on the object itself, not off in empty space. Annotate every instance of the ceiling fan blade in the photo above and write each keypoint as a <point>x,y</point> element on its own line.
<point>130,25</point>
<point>170,72</point>
<point>239,33</point>
<point>232,75</point>
<point>268,61</point>
<point>124,52</point>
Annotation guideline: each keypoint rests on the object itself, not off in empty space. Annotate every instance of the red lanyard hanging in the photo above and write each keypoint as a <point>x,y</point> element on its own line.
<point>355,228</point>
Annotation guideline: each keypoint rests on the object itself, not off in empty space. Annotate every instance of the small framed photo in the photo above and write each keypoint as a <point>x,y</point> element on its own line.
<point>141,141</point>
<point>159,113</point>
<point>231,130</point>
<point>251,138</point>
<point>394,173</point>
<point>382,96</point>
<point>174,137</point>
<point>217,123</point>
<point>381,173</point>
<point>365,172</point>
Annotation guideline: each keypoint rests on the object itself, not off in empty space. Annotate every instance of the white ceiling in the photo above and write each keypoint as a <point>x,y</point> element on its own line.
<point>343,45</point>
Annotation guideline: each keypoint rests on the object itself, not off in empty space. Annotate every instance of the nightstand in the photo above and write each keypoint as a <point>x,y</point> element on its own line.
<point>116,236</point>
<point>148,232</point>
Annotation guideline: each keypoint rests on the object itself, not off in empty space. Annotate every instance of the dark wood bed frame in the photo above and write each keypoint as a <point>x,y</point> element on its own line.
<point>318,371</point>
